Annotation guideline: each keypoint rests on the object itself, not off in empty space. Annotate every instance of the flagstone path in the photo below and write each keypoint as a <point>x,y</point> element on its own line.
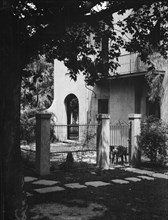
<point>125,193</point>
<point>48,186</point>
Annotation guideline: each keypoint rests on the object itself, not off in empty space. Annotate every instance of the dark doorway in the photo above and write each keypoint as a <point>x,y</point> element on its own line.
<point>72,109</point>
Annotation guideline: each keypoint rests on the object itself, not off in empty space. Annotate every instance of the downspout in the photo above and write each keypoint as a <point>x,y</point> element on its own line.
<point>91,90</point>
<point>89,118</point>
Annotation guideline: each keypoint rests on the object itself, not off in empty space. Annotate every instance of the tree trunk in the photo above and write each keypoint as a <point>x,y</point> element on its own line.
<point>13,197</point>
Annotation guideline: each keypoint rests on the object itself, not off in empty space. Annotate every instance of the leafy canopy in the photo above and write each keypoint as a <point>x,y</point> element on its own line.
<point>64,28</point>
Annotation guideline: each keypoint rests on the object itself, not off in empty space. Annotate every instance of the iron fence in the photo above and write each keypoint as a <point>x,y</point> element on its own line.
<point>82,143</point>
<point>84,135</point>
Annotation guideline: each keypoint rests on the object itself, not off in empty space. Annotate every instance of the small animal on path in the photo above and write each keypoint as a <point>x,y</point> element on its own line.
<point>69,163</point>
<point>116,152</point>
<point>69,160</point>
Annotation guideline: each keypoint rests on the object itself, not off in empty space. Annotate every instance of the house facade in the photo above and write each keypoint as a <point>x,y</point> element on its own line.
<point>75,103</point>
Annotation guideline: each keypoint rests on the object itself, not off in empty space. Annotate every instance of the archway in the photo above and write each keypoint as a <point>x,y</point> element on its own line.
<point>72,110</point>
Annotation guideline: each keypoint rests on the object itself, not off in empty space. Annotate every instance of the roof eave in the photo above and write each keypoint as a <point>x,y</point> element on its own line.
<point>134,74</point>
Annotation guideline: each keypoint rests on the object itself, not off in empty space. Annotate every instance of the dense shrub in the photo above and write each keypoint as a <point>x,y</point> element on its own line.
<point>153,138</point>
<point>28,126</point>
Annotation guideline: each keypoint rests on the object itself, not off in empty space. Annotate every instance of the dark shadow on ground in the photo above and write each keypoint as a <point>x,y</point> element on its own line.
<point>142,200</point>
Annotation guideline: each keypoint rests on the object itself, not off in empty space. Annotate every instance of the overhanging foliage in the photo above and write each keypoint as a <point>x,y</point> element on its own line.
<point>63,28</point>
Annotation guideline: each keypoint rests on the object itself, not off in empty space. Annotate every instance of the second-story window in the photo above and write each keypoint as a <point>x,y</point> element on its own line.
<point>103,106</point>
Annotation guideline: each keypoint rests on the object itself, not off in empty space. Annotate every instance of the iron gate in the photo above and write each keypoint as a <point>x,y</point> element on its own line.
<point>120,134</point>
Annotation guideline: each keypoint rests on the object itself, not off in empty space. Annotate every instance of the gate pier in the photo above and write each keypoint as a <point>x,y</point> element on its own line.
<point>135,129</point>
<point>43,143</point>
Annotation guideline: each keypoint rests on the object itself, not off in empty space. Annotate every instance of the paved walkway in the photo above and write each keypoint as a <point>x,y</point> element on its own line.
<point>42,187</point>
<point>53,186</point>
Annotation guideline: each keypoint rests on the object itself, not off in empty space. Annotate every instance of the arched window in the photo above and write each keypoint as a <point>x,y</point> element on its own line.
<point>72,109</point>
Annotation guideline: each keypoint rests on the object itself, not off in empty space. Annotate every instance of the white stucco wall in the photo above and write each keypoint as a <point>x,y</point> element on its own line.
<point>120,92</point>
<point>87,96</point>
<point>122,99</point>
<point>63,86</point>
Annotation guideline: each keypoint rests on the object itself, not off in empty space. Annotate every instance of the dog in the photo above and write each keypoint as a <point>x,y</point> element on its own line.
<point>116,152</point>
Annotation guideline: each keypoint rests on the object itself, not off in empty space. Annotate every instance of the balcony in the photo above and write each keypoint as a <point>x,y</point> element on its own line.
<point>131,64</point>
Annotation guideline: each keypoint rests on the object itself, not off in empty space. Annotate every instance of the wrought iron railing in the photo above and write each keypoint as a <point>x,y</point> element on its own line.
<point>86,134</point>
<point>83,134</point>
<point>84,146</point>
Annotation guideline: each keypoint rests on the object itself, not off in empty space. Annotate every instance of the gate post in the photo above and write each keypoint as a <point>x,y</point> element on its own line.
<point>103,141</point>
<point>134,151</point>
<point>43,143</point>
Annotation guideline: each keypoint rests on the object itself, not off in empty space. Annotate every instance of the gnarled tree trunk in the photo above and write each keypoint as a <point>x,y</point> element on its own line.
<point>13,197</point>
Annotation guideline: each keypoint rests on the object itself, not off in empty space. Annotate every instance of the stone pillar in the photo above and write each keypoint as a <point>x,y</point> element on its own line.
<point>103,141</point>
<point>134,151</point>
<point>43,143</point>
